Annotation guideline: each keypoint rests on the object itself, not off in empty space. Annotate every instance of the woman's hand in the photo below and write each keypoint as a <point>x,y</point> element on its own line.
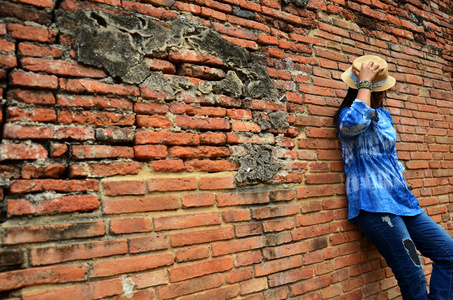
<point>368,72</point>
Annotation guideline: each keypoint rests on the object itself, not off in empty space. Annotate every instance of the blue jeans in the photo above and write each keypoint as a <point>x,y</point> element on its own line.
<point>398,239</point>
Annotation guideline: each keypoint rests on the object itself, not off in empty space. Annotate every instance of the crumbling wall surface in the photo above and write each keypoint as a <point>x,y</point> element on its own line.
<point>167,149</point>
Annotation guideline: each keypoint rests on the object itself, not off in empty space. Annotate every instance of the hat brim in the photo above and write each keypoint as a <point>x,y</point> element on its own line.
<point>346,77</point>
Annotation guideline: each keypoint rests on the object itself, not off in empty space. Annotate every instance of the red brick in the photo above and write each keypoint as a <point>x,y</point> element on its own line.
<point>130,225</point>
<point>47,132</point>
<point>174,290</point>
<point>148,279</point>
<point>95,118</point>
<point>39,51</point>
<point>199,152</point>
<point>138,295</point>
<point>202,72</point>
<point>160,65</point>
<point>45,275</point>
<point>33,97</point>
<point>171,184</point>
<point>191,254</point>
<point>8,61</point>
<point>29,33</point>
<point>186,221</point>
<point>22,151</point>
<point>92,86</point>
<point>252,286</point>
<point>166,138</point>
<point>278,225</point>
<point>215,265</point>
<point>93,102</point>
<point>148,243</point>
<point>149,10</point>
<point>186,238</point>
<point>186,122</point>
<point>34,80</point>
<point>101,151</point>
<point>276,211</point>
<point>96,290</point>
<point>233,199</point>
<point>145,204</point>
<point>36,114</point>
<point>105,169</point>
<point>314,191</point>
<point>168,166</point>
<point>52,232</point>
<point>290,276</point>
<point>150,152</point>
<point>211,166</point>
<point>61,68</point>
<point>238,245</point>
<point>216,183</point>
<point>153,121</point>
<point>310,285</point>
<point>130,264</point>
<point>197,200</point>
<point>248,258</point>
<point>41,185</point>
<point>227,292</point>
<point>213,138</point>
<point>248,229</point>
<point>115,135</point>
<point>150,108</point>
<point>121,188</point>
<point>78,251</point>
<point>17,207</point>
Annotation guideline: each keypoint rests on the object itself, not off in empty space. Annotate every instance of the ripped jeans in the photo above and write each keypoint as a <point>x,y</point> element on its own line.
<point>398,239</point>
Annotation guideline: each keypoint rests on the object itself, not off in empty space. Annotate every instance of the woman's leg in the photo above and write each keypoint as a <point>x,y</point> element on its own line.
<point>434,242</point>
<point>391,237</point>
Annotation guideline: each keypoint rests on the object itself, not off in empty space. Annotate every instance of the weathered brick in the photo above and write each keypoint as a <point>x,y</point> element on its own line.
<point>166,138</point>
<point>199,152</point>
<point>122,188</point>
<point>22,151</point>
<point>148,243</point>
<point>11,258</point>
<point>52,232</point>
<point>105,169</point>
<point>101,151</point>
<point>95,118</point>
<point>19,78</point>
<point>93,102</point>
<point>187,122</point>
<point>130,225</point>
<point>31,33</point>
<point>216,265</point>
<point>232,199</point>
<point>97,289</point>
<point>61,68</point>
<point>191,254</point>
<point>171,184</point>
<point>32,114</point>
<point>180,239</point>
<point>17,207</point>
<point>186,221</point>
<point>238,245</point>
<point>77,251</point>
<point>41,185</point>
<point>39,51</point>
<point>48,132</point>
<point>45,275</point>
<point>131,264</point>
<point>211,165</point>
<point>174,290</point>
<point>33,97</point>
<point>145,204</point>
<point>92,86</point>
<point>26,13</point>
<point>153,121</point>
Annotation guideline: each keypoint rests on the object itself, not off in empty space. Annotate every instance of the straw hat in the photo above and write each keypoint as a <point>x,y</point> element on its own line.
<point>383,80</point>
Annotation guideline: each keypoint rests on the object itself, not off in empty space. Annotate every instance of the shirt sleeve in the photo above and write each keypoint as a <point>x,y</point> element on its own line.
<point>355,119</point>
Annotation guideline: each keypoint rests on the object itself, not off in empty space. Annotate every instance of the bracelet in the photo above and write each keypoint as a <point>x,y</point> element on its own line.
<point>365,84</point>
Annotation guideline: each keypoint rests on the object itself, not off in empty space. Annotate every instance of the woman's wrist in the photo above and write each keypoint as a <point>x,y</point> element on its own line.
<point>365,84</point>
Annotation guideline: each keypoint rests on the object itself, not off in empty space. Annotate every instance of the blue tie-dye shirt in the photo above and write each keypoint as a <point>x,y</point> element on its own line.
<point>374,177</point>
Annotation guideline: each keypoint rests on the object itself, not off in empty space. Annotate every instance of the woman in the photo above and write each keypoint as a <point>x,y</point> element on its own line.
<point>379,200</point>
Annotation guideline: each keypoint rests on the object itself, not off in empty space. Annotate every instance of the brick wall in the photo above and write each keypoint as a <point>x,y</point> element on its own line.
<point>167,149</point>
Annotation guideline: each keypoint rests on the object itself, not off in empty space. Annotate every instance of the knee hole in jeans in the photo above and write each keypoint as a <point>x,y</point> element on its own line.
<point>412,252</point>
